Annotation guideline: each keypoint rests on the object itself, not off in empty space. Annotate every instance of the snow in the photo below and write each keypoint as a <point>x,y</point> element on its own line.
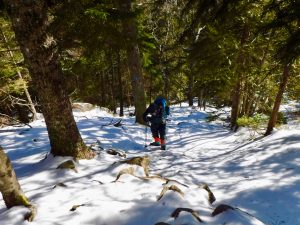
<point>259,177</point>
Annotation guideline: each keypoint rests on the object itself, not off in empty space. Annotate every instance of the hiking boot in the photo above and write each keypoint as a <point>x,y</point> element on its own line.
<point>155,144</point>
<point>163,147</point>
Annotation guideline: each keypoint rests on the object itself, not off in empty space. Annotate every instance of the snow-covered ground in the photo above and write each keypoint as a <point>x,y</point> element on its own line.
<point>258,179</point>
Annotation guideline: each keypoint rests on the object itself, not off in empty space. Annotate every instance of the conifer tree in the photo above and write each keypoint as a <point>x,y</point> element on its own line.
<point>285,21</point>
<point>130,34</point>
<point>30,23</point>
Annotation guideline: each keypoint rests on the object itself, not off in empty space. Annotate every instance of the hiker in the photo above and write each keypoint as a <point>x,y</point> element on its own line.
<point>156,114</point>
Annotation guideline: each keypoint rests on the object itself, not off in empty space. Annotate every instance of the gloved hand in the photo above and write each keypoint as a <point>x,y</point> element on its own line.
<point>148,119</point>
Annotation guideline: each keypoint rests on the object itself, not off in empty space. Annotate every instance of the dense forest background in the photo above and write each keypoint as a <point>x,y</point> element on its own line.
<point>242,54</point>
<point>224,53</point>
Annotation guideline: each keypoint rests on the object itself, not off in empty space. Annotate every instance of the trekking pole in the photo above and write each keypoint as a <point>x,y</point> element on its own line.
<point>146,134</point>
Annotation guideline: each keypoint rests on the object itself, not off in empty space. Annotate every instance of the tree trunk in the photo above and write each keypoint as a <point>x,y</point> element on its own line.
<point>107,88</point>
<point>133,57</point>
<point>165,72</point>
<point>199,102</point>
<point>10,188</point>
<point>236,97</point>
<point>166,83</point>
<point>103,89</point>
<point>244,99</point>
<point>282,86</point>
<point>9,185</point>
<point>201,98</point>
<point>190,89</point>
<point>30,23</point>
<point>113,104</point>
<point>249,106</point>
<point>120,85</point>
<point>235,105</point>
<point>128,88</point>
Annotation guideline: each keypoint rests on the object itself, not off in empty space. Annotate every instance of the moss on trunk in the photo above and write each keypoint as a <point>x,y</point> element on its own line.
<point>9,185</point>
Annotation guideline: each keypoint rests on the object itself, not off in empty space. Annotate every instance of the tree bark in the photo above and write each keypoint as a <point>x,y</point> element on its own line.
<point>9,185</point>
<point>10,188</point>
<point>166,83</point>
<point>133,57</point>
<point>120,84</point>
<point>113,104</point>
<point>282,86</point>
<point>236,97</point>
<point>103,89</point>
<point>30,23</point>
<point>191,89</point>
<point>235,105</point>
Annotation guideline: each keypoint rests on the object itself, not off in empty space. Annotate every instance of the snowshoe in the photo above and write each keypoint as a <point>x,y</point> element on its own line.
<point>154,144</point>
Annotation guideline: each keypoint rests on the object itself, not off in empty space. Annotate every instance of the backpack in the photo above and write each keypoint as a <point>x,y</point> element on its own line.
<point>163,112</point>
